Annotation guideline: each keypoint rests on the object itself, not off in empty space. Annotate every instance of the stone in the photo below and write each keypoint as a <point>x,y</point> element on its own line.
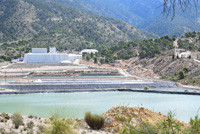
<point>108,122</point>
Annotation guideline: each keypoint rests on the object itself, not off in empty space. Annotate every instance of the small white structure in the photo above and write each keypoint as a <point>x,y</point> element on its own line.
<point>52,50</point>
<point>85,51</point>
<point>184,54</point>
<point>17,60</point>
<point>51,57</point>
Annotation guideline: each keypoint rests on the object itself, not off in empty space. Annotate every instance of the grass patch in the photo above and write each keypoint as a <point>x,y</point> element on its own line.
<point>59,125</point>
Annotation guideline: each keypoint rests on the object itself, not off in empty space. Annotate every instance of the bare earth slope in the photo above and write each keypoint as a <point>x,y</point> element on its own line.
<point>163,67</point>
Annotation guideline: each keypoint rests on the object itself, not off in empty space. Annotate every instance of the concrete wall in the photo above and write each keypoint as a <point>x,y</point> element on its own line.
<point>49,58</point>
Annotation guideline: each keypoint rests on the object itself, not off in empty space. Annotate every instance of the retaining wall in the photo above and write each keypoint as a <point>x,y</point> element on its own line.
<point>54,86</point>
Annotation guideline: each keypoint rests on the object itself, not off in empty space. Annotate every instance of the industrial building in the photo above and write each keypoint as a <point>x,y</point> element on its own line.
<point>40,55</point>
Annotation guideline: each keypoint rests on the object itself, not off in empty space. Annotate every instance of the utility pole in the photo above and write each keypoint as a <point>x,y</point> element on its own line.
<point>74,74</point>
<point>175,44</point>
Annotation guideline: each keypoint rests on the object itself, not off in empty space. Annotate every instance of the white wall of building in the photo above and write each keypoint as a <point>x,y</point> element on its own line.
<point>39,50</point>
<point>73,57</point>
<point>49,57</point>
<point>52,50</point>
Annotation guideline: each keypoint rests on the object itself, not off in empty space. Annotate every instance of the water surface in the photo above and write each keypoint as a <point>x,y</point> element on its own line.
<point>76,104</point>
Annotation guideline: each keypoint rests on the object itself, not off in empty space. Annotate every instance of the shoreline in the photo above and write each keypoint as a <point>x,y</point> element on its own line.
<point>13,92</point>
<point>188,86</point>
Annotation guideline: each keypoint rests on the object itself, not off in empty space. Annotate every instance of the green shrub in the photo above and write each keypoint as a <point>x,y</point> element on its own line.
<point>31,116</point>
<point>170,125</point>
<point>41,128</point>
<point>6,116</point>
<point>186,69</point>
<point>162,77</point>
<point>175,74</point>
<point>146,88</point>
<point>94,121</point>
<point>30,131</point>
<point>195,125</point>
<point>181,74</point>
<point>17,120</point>
<point>166,126</point>
<point>144,62</point>
<point>102,61</point>
<point>59,125</point>
<point>30,124</point>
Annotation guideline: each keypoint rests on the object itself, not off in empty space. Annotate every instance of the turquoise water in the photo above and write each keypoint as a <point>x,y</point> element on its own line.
<point>76,104</point>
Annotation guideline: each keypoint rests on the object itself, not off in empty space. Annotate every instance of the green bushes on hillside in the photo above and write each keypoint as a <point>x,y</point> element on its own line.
<point>145,48</point>
<point>166,126</point>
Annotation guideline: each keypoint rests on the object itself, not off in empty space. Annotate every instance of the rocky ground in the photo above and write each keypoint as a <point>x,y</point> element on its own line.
<point>115,119</point>
<point>54,69</point>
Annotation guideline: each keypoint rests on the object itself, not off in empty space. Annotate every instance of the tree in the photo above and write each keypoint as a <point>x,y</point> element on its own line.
<point>173,57</point>
<point>88,57</point>
<point>174,37</point>
<point>170,6</point>
<point>95,59</point>
<point>181,74</point>
<point>102,61</point>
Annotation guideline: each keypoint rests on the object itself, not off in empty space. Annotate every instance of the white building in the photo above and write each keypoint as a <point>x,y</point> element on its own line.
<point>184,54</point>
<point>40,55</point>
<point>85,51</point>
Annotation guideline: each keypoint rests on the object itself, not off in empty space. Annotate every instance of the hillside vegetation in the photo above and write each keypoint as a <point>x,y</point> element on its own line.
<point>154,58</point>
<point>149,48</point>
<point>33,23</point>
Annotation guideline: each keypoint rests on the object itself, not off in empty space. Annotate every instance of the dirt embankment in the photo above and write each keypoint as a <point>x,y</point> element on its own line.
<point>116,116</point>
<point>162,66</point>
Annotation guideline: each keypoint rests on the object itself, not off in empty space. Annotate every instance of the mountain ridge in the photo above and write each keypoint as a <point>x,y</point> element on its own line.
<point>140,13</point>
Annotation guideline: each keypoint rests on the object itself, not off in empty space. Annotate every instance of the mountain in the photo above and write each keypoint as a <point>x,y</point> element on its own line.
<point>33,23</point>
<point>144,14</point>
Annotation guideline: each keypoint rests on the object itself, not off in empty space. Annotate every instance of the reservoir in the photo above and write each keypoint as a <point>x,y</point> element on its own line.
<point>76,104</point>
